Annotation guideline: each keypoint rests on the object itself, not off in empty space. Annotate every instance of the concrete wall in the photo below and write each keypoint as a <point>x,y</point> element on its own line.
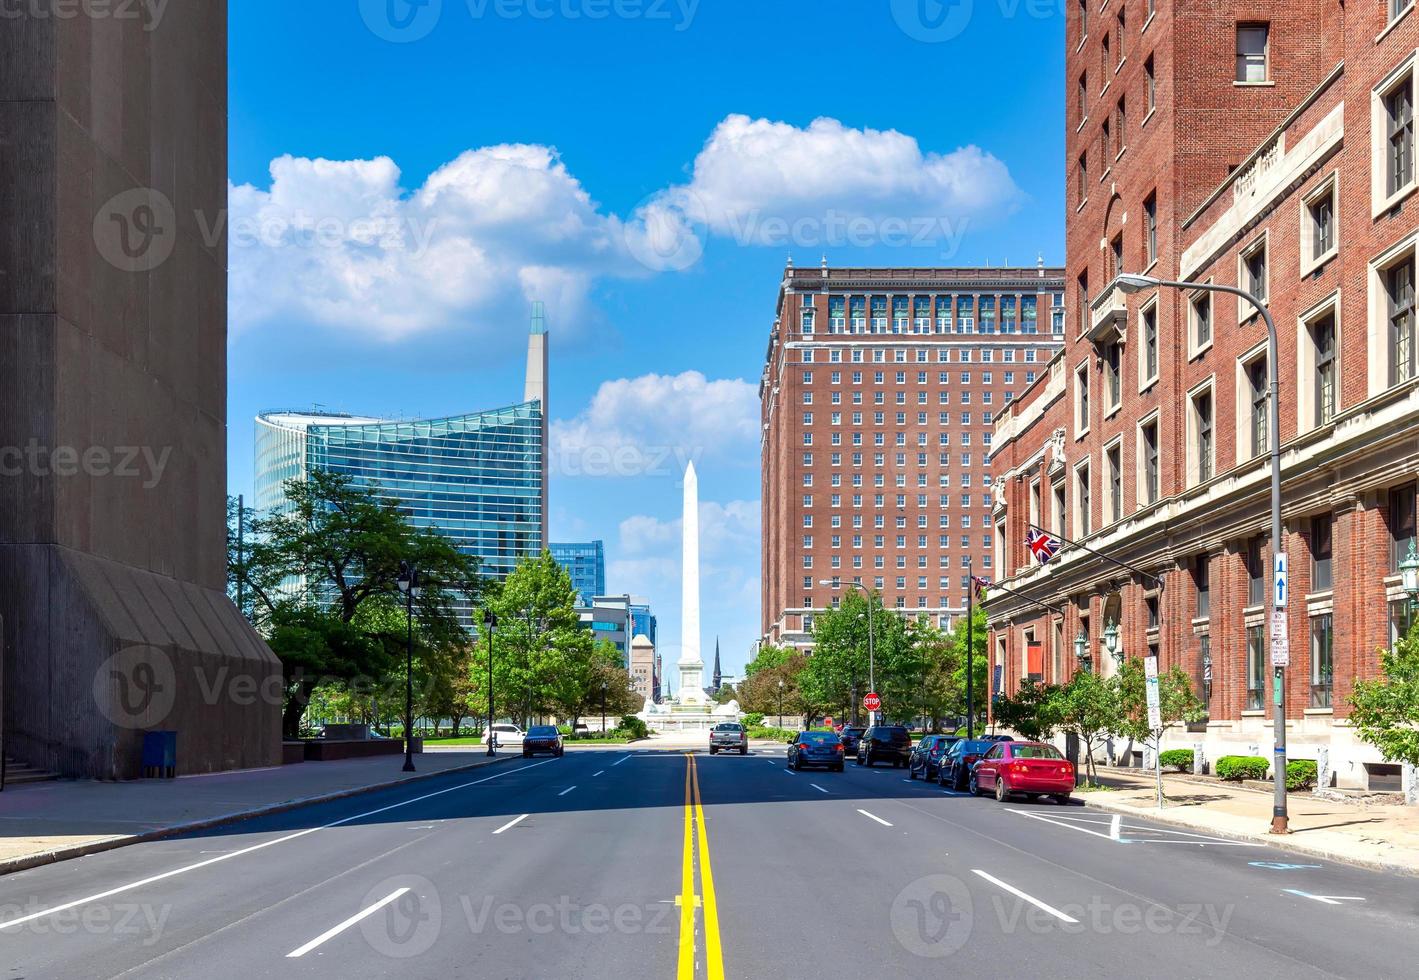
<point>113,395</point>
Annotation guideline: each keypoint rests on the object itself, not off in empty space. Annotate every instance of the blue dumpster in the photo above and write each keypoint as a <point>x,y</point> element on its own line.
<point>160,754</point>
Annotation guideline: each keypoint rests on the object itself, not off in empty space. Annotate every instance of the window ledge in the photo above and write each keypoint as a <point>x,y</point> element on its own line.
<point>1082,123</point>
<point>1114,410</point>
<point>1319,711</point>
<point>1147,22</point>
<point>1105,175</point>
<point>1120,155</point>
<point>1105,90</point>
<point>1254,713</point>
<point>1266,84</point>
<point>1082,41</point>
<point>1197,352</point>
<point>1395,199</point>
<point>1146,384</point>
<point>1119,67</point>
<point>1081,205</point>
<point>1394,23</point>
<point>1320,596</point>
<point>1314,265</point>
<point>1201,622</point>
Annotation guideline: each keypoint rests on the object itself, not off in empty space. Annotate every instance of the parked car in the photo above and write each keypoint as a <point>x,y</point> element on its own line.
<point>505,734</point>
<point>851,735</point>
<point>955,768</point>
<point>926,757</point>
<point>542,738</point>
<point>729,736</point>
<point>885,743</point>
<point>1033,768</point>
<point>997,738</point>
<point>816,749</point>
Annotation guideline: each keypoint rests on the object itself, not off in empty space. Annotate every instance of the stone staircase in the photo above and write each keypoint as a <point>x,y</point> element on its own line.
<point>18,773</point>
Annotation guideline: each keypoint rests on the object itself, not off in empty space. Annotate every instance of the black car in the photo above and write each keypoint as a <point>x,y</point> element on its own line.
<point>816,749</point>
<point>885,743</point>
<point>926,757</point>
<point>542,738</point>
<point>955,768</point>
<point>851,735</point>
<point>997,738</point>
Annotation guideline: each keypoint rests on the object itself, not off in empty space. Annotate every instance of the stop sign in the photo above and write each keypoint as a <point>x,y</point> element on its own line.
<point>828,721</point>
<point>872,701</point>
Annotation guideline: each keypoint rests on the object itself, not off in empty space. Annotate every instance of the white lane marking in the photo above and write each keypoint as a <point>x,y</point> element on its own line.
<point>818,788</point>
<point>597,773</point>
<point>873,816</point>
<point>352,920</point>
<point>567,790</point>
<point>789,771</point>
<point>511,824</point>
<point>1114,824</point>
<point>1072,823</point>
<point>1028,898</point>
<point>1327,899</point>
<point>619,761</point>
<point>257,847</point>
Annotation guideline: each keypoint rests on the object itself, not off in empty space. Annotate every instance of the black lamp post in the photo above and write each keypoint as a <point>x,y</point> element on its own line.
<point>491,622</point>
<point>603,709</point>
<point>409,585</point>
<point>780,702</point>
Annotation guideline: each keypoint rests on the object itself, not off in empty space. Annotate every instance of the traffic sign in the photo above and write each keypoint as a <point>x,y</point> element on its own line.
<point>872,701</point>
<point>1280,639</point>
<point>828,721</point>
<point>1279,590</point>
<point>1150,674</point>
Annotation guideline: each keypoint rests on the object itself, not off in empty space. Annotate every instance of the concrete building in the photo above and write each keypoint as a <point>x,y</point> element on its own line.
<point>112,515</point>
<point>644,668</point>
<point>585,562</point>
<point>879,392</point>
<point>1282,163</point>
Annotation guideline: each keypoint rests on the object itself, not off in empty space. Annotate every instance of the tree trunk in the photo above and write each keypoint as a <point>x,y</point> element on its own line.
<point>295,706</point>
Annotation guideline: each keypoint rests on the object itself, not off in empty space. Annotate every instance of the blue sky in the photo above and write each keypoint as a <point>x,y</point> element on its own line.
<point>401,193</point>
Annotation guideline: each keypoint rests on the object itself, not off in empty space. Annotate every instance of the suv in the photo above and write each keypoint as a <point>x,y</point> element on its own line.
<point>729,735</point>
<point>885,743</point>
<point>851,735</point>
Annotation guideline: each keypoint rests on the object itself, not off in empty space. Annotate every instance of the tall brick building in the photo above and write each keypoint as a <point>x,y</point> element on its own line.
<point>1268,145</point>
<point>879,390</point>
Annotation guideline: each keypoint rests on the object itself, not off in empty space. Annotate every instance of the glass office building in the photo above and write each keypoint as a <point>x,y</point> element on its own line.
<point>585,562</point>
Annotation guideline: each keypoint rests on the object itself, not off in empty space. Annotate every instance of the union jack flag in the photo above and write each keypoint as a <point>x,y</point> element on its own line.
<point>1042,546</point>
<point>981,585</point>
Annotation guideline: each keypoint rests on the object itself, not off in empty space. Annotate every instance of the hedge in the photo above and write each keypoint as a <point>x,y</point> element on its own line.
<point>633,726</point>
<point>1301,774</point>
<point>753,719</point>
<point>1239,767</point>
<point>770,734</point>
<point>1179,759</point>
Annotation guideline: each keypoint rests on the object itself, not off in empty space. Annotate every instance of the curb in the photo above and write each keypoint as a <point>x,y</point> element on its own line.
<point>55,855</point>
<point>1280,843</point>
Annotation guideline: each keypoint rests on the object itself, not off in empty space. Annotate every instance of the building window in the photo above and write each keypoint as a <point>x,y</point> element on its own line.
<point>1401,619</point>
<point>1322,660</point>
<point>1082,287</point>
<point>1256,573</point>
<point>1323,342</point>
<point>1149,446</point>
<point>1151,82</point>
<point>1318,228</point>
<point>1081,399</point>
<point>1200,312</point>
<point>1253,42</point>
<point>1120,120</point>
<point>1202,427</point>
<point>1202,579</point>
<point>1083,92</point>
<point>1082,500</point>
<point>1113,463</point>
<point>1204,673</point>
<point>1397,7</point>
<point>1401,524</point>
<point>1320,553</point>
<point>1259,392</point>
<point>1057,511</point>
<point>1148,356</point>
<point>1399,298</point>
<point>1399,136</point>
<point>1113,359</point>
<point>1252,276</point>
<point>1115,246</point>
<point>1256,667</point>
<point>1150,229</point>
<point>1122,48</point>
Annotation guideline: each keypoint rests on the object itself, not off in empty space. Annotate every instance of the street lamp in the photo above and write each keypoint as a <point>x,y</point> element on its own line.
<point>780,702</point>
<point>1409,573</point>
<point>1081,650</point>
<point>603,709</point>
<point>1129,283</point>
<point>409,585</point>
<point>871,656</point>
<point>1111,641</point>
<point>490,620</point>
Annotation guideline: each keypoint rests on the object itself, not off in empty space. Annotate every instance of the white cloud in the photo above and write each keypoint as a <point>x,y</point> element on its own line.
<point>654,424</point>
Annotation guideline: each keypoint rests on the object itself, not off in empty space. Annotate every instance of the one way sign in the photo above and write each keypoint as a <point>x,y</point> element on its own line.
<point>1279,589</point>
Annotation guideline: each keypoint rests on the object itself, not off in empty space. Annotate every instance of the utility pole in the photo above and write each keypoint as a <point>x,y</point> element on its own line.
<point>490,620</point>
<point>970,650</point>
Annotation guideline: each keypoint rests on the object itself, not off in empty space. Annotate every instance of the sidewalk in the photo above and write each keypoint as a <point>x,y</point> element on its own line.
<point>1372,835</point>
<point>45,822</point>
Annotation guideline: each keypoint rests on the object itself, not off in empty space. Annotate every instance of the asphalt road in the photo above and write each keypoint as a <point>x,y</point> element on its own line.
<point>659,864</point>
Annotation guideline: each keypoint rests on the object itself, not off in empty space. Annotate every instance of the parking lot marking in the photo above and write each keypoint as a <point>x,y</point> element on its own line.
<point>817,787</point>
<point>1028,898</point>
<point>567,790</point>
<point>873,816</point>
<point>597,773</point>
<point>1326,899</point>
<point>352,920</point>
<point>511,824</point>
<point>1114,825</point>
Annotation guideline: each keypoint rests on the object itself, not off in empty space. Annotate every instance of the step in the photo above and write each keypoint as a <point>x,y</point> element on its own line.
<point>17,773</point>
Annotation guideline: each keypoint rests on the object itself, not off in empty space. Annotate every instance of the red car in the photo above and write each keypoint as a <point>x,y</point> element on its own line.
<point>1033,768</point>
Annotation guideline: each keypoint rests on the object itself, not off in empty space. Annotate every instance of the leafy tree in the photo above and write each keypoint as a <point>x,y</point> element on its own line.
<point>759,692</point>
<point>1176,700</point>
<point>1088,709</point>
<point>727,692</point>
<point>1385,712</point>
<point>1034,711</point>
<point>768,658</point>
<point>979,664</point>
<point>839,671</point>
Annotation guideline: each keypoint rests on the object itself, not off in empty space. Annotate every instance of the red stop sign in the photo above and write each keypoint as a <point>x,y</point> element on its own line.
<point>828,721</point>
<point>872,701</point>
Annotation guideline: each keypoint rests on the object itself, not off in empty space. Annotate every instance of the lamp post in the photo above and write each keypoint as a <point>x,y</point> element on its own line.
<point>780,702</point>
<point>409,585</point>
<point>1409,574</point>
<point>490,620</point>
<point>603,709</point>
<point>871,656</point>
<point>1081,651</point>
<point>1111,642</point>
<point>1129,283</point>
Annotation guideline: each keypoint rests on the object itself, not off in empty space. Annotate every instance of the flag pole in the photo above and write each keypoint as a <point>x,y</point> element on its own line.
<point>1157,582</point>
<point>970,650</point>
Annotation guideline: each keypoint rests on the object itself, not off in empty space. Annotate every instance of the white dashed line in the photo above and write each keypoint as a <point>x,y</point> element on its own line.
<point>1028,898</point>
<point>873,816</point>
<point>817,787</point>
<point>566,791</point>
<point>352,920</point>
<point>510,824</point>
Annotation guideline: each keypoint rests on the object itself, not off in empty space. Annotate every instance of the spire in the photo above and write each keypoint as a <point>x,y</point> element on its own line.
<point>717,675</point>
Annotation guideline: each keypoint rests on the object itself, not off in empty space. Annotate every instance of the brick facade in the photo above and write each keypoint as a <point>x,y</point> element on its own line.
<point>1233,170</point>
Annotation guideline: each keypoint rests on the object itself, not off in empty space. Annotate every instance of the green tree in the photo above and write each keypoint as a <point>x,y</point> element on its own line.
<point>759,692</point>
<point>1176,700</point>
<point>1385,712</point>
<point>768,658</point>
<point>1033,712</point>
<point>1088,709</point>
<point>838,673</point>
<point>939,693</point>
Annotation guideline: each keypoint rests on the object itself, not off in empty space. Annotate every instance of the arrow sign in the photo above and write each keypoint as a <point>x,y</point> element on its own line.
<point>1279,582</point>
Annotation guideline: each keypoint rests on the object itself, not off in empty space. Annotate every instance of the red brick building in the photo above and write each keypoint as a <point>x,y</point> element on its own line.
<point>1268,145</point>
<point>879,392</point>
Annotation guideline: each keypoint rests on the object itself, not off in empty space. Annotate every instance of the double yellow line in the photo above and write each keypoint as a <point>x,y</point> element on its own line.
<point>695,827</point>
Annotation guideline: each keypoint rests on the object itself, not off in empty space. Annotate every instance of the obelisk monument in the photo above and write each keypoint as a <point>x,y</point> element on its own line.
<point>691,667</point>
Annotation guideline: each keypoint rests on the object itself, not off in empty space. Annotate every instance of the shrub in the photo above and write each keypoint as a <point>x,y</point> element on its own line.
<point>753,719</point>
<point>1239,767</point>
<point>770,734</point>
<point>1179,759</point>
<point>633,726</point>
<point>564,729</point>
<point>1301,774</point>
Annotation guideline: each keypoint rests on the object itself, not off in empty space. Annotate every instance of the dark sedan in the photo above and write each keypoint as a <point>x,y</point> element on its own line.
<point>955,770</point>
<point>816,749</point>
<point>926,757</point>
<point>542,738</point>
<point>851,735</point>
